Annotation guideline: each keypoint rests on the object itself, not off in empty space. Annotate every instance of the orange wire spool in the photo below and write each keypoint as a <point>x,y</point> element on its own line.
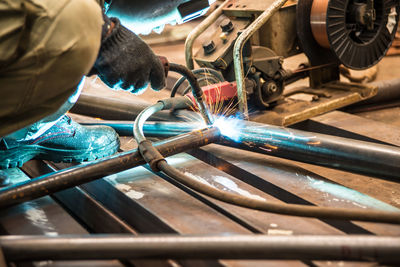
<point>358,32</point>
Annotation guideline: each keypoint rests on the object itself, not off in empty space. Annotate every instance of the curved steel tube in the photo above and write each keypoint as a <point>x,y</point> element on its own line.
<point>238,51</point>
<point>142,117</point>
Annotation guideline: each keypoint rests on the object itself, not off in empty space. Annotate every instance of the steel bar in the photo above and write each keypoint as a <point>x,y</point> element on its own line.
<point>319,149</point>
<point>115,109</point>
<point>199,30</point>
<point>388,91</point>
<point>151,128</point>
<point>108,108</point>
<point>353,248</point>
<point>238,52</point>
<point>81,174</point>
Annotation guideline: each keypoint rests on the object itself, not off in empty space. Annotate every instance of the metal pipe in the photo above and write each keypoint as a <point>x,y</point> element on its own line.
<point>108,108</point>
<point>351,248</point>
<point>319,149</point>
<point>77,175</point>
<point>142,118</point>
<point>117,109</point>
<point>238,52</point>
<point>199,30</point>
<point>388,90</point>
<point>151,128</point>
<point>314,148</point>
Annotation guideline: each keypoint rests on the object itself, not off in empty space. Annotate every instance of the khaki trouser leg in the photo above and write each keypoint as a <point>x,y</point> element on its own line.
<point>60,43</point>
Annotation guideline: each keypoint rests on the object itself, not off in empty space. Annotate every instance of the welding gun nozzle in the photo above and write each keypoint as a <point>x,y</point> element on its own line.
<point>205,113</point>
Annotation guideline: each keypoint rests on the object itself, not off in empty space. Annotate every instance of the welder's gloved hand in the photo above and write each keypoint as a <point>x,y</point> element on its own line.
<point>127,62</point>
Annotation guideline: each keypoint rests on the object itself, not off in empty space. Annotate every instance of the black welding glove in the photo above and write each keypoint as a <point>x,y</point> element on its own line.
<point>127,62</point>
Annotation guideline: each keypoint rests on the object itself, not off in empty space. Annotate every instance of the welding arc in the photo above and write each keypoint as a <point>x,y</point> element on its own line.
<point>158,163</point>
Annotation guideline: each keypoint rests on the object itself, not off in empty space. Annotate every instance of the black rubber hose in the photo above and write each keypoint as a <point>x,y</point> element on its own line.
<point>196,90</point>
<point>214,75</point>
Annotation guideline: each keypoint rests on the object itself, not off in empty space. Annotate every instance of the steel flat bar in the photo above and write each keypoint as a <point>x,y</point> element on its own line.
<point>145,189</point>
<point>352,126</point>
<point>116,214</point>
<point>289,182</point>
<point>44,217</point>
<point>258,222</point>
<point>360,248</point>
<point>78,202</point>
<point>81,174</point>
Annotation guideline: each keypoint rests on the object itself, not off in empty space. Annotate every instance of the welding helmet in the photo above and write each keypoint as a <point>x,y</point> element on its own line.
<point>143,16</point>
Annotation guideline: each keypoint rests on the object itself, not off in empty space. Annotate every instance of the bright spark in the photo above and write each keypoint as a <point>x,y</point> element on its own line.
<point>229,127</point>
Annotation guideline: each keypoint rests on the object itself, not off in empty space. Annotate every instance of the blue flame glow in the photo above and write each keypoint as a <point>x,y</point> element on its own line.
<point>230,127</point>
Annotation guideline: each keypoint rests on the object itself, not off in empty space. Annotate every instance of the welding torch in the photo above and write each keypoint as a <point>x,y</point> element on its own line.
<point>197,92</point>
